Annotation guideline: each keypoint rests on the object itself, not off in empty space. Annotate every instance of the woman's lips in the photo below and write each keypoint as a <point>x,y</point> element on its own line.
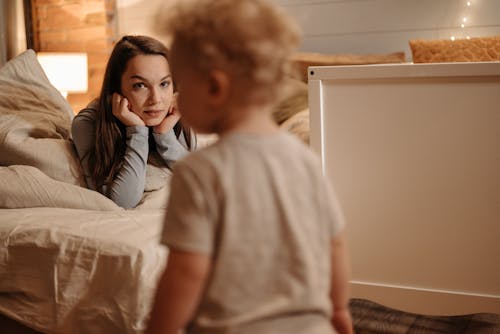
<point>153,113</point>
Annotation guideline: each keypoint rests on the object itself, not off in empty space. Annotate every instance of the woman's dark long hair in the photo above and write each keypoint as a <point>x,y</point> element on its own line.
<point>110,141</point>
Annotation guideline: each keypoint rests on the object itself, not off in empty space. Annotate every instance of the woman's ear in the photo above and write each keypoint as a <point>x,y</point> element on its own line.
<point>219,86</point>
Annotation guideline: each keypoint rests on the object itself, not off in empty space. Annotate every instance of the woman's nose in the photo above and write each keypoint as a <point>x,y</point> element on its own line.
<point>154,96</point>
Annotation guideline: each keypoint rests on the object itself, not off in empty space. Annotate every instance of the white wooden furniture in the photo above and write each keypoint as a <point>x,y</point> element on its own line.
<point>413,151</point>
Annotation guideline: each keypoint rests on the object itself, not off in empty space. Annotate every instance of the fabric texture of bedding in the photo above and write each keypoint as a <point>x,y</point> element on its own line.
<point>71,260</point>
<point>299,125</point>
<point>79,271</point>
<point>291,99</point>
<point>35,121</point>
<point>26,186</point>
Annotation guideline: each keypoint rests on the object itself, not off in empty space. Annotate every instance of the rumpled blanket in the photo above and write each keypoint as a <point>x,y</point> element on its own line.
<point>80,271</point>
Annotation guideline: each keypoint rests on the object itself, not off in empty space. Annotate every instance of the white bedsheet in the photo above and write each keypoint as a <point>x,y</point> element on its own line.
<point>79,271</point>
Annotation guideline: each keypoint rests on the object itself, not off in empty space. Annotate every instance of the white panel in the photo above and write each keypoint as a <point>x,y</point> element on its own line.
<point>355,26</point>
<point>373,16</point>
<point>387,42</point>
<point>413,153</point>
<point>383,26</point>
<point>391,15</point>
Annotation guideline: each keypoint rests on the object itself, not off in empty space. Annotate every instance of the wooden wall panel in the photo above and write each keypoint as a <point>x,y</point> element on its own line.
<point>77,26</point>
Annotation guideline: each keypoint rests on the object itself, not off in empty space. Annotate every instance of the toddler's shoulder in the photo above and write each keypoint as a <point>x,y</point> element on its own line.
<point>201,161</point>
<point>298,148</point>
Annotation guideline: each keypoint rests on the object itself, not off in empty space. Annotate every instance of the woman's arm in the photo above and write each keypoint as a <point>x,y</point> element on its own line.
<point>170,147</point>
<point>128,185</point>
<point>127,188</point>
<point>83,133</point>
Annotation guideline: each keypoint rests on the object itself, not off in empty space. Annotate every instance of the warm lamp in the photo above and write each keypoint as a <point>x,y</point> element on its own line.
<point>66,71</point>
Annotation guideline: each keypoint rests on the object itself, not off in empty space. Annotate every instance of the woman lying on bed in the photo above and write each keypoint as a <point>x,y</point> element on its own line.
<point>135,114</point>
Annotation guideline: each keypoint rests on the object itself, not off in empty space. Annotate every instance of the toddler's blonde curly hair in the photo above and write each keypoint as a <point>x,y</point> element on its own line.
<point>249,39</point>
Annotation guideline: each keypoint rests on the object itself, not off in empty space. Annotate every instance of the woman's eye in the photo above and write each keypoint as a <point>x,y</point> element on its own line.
<point>165,84</point>
<point>138,85</point>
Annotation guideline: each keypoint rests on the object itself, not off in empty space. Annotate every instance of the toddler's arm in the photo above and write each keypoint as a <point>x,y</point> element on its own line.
<point>339,294</point>
<point>179,291</point>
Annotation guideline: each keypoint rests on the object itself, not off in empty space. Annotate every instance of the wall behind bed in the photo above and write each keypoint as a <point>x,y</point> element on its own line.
<point>356,26</point>
<point>383,26</point>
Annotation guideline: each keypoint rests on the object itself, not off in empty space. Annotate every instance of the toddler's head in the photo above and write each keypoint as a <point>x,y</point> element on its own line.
<point>248,41</point>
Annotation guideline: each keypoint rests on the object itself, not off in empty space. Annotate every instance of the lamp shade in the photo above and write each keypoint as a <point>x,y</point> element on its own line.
<point>66,71</point>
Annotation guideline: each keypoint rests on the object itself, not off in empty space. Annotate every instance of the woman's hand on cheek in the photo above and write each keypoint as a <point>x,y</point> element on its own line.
<point>121,111</point>
<point>169,121</point>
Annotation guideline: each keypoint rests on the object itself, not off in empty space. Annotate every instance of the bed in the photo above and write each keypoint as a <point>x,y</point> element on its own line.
<point>71,260</point>
<point>413,152</point>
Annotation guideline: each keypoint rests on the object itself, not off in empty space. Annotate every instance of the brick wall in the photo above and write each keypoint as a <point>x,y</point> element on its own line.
<point>77,26</point>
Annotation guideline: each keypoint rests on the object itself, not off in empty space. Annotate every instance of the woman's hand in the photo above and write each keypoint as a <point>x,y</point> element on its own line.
<point>120,109</point>
<point>170,120</point>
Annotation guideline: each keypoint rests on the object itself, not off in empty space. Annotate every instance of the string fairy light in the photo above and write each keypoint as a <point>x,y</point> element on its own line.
<point>464,22</point>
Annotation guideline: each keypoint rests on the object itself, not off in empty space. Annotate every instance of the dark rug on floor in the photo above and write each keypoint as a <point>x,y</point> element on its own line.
<point>373,318</point>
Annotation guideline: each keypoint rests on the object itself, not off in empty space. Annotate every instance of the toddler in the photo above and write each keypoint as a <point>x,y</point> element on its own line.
<point>254,230</point>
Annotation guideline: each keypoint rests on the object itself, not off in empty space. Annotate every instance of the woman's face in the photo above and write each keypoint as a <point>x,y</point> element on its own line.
<point>147,85</point>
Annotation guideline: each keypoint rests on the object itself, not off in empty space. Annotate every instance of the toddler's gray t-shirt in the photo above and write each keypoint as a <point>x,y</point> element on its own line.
<point>261,208</point>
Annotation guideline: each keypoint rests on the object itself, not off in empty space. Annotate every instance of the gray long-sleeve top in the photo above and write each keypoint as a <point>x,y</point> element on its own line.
<point>127,188</point>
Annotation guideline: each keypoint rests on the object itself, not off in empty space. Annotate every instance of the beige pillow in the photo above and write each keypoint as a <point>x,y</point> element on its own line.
<point>461,50</point>
<point>298,125</point>
<point>35,122</point>
<point>28,187</point>
<point>291,99</point>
